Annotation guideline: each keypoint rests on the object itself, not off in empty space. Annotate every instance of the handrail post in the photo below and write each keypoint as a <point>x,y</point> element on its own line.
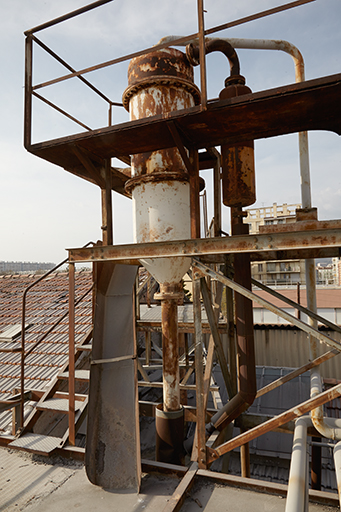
<point>72,433</point>
<point>201,36</point>
<point>28,91</point>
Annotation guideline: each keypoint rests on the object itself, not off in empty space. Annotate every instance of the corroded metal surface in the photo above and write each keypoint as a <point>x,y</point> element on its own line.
<point>238,165</point>
<point>169,435</point>
<point>247,385</point>
<point>269,113</point>
<point>170,354</point>
<point>275,422</point>
<point>276,242</point>
<point>159,83</point>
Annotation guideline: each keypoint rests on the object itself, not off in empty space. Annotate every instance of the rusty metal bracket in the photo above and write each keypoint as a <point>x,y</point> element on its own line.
<point>89,166</point>
<point>197,273</point>
<point>179,144</point>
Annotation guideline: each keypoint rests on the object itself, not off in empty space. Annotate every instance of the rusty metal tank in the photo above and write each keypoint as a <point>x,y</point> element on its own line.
<point>160,82</point>
<point>238,164</point>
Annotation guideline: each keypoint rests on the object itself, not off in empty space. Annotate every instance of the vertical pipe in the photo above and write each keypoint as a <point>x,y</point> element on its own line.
<point>147,335</point>
<point>72,433</point>
<point>201,433</point>
<point>297,487</point>
<point>201,36</point>
<point>170,354</point>
<point>110,115</point>
<point>137,298</point>
<point>244,325</point>
<point>107,227</point>
<point>28,91</point>
<point>194,194</point>
<point>245,460</point>
<point>337,463</point>
<point>232,353</point>
<point>316,464</point>
<point>298,297</point>
<point>217,198</point>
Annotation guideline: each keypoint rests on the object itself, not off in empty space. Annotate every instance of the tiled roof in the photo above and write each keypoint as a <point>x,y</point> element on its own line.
<point>45,304</point>
<point>325,297</point>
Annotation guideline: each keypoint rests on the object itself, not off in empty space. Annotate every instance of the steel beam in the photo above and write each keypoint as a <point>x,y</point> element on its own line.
<point>275,422</point>
<point>198,266</point>
<point>324,238</point>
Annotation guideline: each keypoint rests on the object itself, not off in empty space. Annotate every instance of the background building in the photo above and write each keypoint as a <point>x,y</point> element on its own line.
<point>23,266</point>
<point>275,273</point>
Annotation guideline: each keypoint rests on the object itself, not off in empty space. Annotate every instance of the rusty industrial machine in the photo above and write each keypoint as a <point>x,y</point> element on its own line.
<point>173,133</point>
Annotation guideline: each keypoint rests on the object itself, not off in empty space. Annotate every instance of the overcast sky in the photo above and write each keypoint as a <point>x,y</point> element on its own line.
<point>44,209</point>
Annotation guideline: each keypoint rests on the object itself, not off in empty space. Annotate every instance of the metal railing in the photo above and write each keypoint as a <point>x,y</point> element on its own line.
<point>23,331</point>
<point>30,89</point>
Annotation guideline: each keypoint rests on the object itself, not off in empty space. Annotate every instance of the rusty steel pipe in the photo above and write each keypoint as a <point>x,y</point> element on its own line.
<point>215,45</point>
<point>247,385</point>
<point>170,351</point>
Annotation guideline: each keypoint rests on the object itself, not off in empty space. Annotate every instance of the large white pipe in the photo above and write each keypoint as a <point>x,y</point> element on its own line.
<point>337,463</point>
<point>297,496</point>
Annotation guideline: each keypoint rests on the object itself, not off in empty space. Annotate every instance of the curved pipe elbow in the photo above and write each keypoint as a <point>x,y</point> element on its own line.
<point>234,408</point>
<point>215,45</point>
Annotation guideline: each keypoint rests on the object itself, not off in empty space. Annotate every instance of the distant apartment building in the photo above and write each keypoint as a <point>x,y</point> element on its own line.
<point>11,267</point>
<point>275,273</point>
<point>325,274</point>
<point>336,264</point>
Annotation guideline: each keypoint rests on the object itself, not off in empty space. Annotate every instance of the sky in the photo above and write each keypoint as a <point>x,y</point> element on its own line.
<point>43,209</point>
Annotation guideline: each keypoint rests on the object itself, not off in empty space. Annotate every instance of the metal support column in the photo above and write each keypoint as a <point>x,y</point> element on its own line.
<point>199,375</point>
<point>72,433</point>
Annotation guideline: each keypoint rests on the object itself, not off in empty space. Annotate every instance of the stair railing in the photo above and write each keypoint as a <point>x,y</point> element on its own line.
<point>23,330</point>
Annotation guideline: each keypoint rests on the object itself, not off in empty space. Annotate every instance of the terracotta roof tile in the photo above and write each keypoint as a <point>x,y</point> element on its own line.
<point>46,303</point>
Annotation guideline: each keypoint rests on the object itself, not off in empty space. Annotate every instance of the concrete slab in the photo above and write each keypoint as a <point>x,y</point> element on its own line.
<point>28,483</point>
<point>32,484</point>
<point>211,497</point>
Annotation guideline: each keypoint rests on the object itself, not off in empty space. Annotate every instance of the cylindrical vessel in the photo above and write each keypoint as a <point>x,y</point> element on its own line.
<point>169,435</point>
<point>238,166</point>
<point>160,82</point>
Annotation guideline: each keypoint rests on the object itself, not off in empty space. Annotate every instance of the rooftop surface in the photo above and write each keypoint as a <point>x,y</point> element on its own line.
<point>30,484</point>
